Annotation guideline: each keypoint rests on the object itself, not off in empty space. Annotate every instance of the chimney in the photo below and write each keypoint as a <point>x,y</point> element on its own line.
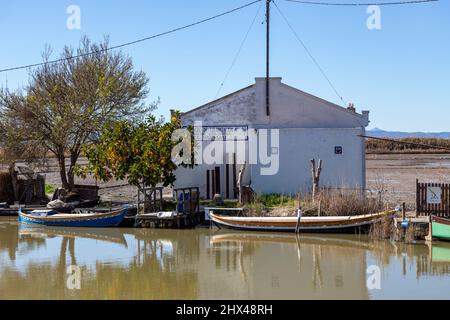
<point>351,107</point>
<point>365,114</point>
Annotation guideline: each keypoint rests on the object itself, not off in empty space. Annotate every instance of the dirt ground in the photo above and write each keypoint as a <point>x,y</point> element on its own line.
<point>396,174</point>
<point>393,174</point>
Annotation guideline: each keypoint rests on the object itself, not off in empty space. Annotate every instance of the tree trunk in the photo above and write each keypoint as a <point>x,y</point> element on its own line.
<point>240,178</point>
<point>315,177</point>
<point>14,182</point>
<point>71,179</point>
<point>70,173</point>
<point>62,172</point>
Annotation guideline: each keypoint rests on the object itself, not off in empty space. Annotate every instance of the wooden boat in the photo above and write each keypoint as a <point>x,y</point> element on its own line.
<point>329,224</point>
<point>90,219</point>
<point>440,228</point>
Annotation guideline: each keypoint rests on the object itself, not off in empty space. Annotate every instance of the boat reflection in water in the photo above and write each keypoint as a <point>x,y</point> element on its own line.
<point>104,234</point>
<point>304,266</point>
<point>206,264</point>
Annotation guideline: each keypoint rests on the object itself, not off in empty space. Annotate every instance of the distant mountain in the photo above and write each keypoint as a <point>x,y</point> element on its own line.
<point>376,132</point>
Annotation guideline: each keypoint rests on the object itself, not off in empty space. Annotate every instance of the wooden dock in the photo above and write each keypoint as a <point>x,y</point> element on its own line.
<point>419,226</point>
<point>168,220</point>
<point>13,211</point>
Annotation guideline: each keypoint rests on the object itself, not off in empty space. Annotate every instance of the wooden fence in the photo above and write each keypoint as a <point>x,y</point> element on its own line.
<point>433,198</point>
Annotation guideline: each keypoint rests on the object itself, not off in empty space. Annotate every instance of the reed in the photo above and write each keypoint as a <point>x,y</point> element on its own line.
<point>344,202</point>
<point>383,229</point>
<point>326,203</point>
<point>411,234</point>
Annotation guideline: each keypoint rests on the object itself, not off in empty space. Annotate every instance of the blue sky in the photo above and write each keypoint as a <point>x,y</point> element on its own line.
<point>401,73</point>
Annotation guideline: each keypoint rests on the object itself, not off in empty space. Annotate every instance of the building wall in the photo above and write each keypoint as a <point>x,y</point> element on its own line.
<point>298,146</point>
<point>310,127</point>
<point>289,108</point>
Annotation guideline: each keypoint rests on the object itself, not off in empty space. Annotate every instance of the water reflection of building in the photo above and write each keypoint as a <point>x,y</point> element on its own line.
<point>282,267</point>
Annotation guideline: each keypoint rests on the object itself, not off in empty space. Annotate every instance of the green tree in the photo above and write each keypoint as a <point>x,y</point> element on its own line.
<point>66,103</point>
<point>142,153</point>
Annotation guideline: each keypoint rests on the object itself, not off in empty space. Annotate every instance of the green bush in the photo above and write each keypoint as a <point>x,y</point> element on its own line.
<point>49,189</point>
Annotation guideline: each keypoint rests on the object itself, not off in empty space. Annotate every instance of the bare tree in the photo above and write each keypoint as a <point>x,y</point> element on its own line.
<point>67,103</point>
<point>315,177</point>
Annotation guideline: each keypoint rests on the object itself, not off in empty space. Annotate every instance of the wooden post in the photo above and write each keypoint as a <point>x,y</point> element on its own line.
<point>429,237</point>
<point>404,211</point>
<point>161,199</point>
<point>313,173</point>
<point>138,202</point>
<point>417,198</point>
<point>315,177</point>
<point>234,176</point>
<point>227,181</point>
<point>217,172</point>
<point>240,178</point>
<point>207,185</point>
<point>15,183</point>
<point>267,57</point>
<point>213,183</point>
<point>299,216</point>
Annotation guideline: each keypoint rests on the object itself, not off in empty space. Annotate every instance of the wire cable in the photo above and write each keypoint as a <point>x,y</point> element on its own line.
<point>135,41</point>
<point>309,53</point>
<point>361,4</point>
<point>238,53</point>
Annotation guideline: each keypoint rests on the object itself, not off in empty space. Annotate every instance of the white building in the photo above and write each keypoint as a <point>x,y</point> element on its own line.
<point>308,128</point>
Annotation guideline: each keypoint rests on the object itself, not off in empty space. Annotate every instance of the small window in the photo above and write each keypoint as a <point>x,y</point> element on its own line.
<point>338,150</point>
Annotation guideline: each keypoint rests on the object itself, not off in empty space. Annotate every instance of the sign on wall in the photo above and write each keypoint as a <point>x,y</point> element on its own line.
<point>231,133</point>
<point>434,195</point>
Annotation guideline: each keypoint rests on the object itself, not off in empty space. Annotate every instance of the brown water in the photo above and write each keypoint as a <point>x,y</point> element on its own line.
<point>209,264</point>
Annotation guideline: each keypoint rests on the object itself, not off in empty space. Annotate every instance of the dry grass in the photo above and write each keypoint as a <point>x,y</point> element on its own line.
<point>343,203</point>
<point>327,203</point>
<point>411,234</point>
<point>383,229</point>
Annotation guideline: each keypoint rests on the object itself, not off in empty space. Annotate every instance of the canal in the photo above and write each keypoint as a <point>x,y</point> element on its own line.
<point>72,263</point>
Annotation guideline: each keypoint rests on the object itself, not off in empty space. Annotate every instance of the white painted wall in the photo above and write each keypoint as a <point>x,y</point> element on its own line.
<point>289,108</point>
<point>299,146</point>
<point>310,127</point>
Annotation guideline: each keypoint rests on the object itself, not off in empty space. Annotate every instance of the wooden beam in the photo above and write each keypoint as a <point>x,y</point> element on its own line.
<point>234,177</point>
<point>227,180</point>
<point>207,185</point>
<point>217,170</point>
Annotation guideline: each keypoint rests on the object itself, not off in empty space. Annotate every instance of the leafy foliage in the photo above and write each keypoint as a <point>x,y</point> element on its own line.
<point>140,153</point>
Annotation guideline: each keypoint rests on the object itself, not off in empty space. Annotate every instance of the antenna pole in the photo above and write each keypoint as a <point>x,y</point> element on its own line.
<point>267,56</point>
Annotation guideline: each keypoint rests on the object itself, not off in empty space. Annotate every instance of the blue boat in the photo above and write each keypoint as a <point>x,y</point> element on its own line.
<point>90,219</point>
